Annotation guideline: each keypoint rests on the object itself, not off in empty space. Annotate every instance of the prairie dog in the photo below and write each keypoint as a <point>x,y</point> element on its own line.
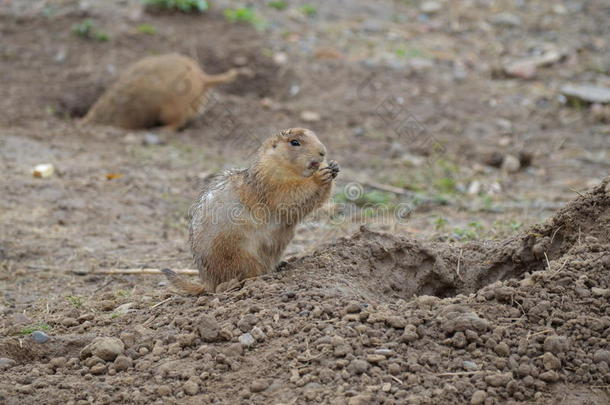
<point>166,90</point>
<point>243,221</point>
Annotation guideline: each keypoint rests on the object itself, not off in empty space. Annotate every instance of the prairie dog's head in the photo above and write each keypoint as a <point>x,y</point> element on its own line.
<point>295,150</point>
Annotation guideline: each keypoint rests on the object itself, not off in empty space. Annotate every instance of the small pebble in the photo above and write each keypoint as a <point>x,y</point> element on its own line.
<point>246,339</point>
<point>151,139</point>
<point>310,116</point>
<point>470,365</point>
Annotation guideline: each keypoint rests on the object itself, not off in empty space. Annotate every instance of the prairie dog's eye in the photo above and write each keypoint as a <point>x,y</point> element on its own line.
<point>294,142</point>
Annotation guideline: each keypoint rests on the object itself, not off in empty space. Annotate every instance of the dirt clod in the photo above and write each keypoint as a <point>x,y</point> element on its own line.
<point>259,385</point>
<point>555,344</point>
<point>478,397</point>
<point>122,363</point>
<point>209,329</point>
<point>105,348</point>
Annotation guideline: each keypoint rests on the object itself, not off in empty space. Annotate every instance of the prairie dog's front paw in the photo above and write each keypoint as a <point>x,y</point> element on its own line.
<point>329,172</point>
<point>334,166</point>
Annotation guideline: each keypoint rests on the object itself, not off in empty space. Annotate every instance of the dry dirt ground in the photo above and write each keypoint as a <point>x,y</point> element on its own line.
<point>492,285</point>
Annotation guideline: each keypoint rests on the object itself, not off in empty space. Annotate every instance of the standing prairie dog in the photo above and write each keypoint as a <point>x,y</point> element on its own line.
<point>243,221</point>
<point>165,90</point>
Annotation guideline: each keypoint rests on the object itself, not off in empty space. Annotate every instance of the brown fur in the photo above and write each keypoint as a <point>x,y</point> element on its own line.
<point>163,90</point>
<point>244,219</point>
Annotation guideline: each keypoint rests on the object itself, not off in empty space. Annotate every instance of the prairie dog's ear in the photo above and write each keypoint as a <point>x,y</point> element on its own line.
<point>294,132</point>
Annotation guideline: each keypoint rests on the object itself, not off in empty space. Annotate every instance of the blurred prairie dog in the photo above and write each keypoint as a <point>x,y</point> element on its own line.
<point>243,221</point>
<point>166,90</point>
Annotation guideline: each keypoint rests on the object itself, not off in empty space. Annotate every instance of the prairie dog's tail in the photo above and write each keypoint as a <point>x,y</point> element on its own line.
<point>181,284</point>
<point>228,76</point>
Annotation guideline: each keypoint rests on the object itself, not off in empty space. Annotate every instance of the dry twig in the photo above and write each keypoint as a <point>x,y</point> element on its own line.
<point>143,271</point>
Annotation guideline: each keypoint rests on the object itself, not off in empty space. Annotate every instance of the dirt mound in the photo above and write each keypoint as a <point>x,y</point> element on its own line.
<point>401,267</point>
<point>321,332</point>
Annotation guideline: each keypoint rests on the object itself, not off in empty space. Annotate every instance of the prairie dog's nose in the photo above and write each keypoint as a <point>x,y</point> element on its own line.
<point>322,153</point>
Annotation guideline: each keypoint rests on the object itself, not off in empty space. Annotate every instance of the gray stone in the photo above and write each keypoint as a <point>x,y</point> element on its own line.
<point>246,339</point>
<point>470,365</point>
<point>40,337</point>
<point>587,92</point>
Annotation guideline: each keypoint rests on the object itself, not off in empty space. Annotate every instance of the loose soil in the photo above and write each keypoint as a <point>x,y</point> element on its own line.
<point>493,289</point>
